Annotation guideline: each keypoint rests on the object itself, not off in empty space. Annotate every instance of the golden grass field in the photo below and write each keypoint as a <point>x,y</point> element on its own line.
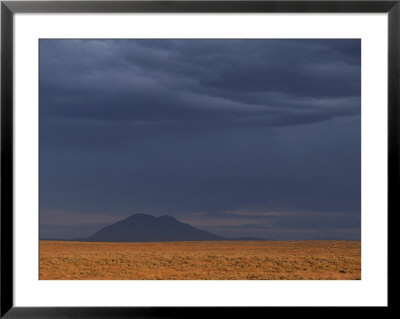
<point>201,260</point>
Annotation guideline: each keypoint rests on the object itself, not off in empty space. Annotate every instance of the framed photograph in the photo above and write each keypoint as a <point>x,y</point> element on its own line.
<point>173,158</point>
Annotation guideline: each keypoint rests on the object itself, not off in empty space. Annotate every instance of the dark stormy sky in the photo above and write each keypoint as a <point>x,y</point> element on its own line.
<point>237,137</point>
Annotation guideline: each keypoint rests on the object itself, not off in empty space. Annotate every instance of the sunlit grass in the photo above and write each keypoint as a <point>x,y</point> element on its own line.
<point>201,260</point>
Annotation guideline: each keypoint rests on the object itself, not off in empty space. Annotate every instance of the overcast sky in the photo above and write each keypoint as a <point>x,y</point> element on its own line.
<point>237,137</point>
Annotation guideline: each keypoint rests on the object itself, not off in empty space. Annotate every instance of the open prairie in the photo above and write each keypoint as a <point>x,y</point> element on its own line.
<point>201,260</point>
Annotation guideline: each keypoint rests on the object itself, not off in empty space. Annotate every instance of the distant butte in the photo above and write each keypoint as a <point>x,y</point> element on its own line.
<point>147,228</point>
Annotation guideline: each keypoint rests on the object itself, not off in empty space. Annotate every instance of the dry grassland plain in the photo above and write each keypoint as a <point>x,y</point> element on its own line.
<point>274,260</point>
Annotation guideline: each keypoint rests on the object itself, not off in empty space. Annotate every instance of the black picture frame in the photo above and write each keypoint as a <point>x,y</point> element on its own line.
<point>9,8</point>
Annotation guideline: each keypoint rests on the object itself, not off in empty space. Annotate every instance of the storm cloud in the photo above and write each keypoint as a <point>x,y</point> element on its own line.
<point>202,130</point>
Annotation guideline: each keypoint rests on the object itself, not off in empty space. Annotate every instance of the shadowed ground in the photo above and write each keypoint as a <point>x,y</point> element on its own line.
<point>201,260</point>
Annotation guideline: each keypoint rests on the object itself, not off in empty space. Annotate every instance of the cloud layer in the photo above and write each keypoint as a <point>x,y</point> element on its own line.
<point>199,128</point>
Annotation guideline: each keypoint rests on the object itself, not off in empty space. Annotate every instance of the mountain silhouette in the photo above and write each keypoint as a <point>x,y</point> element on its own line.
<point>147,228</point>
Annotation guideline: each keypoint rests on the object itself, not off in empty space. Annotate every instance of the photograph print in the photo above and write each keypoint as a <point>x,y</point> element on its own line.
<point>200,159</point>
